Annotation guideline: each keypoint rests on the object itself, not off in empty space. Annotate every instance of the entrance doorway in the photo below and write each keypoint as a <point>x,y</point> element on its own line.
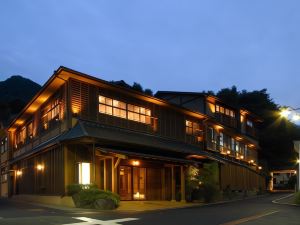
<point>132,183</point>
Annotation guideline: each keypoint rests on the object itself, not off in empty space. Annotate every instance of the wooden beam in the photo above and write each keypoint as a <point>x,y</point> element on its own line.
<point>182,186</point>
<point>163,183</point>
<point>117,163</point>
<point>173,184</point>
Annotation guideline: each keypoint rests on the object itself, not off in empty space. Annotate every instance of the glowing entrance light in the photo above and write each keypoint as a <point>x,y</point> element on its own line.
<point>138,196</point>
<point>84,173</point>
<point>136,163</point>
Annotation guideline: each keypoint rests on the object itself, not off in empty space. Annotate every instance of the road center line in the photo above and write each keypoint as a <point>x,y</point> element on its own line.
<point>246,219</point>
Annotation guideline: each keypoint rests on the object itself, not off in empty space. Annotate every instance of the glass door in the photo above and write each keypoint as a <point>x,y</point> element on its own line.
<point>125,180</point>
<point>139,183</point>
<point>132,183</point>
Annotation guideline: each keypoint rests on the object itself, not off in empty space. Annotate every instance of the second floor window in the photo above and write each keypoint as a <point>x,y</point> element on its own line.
<point>21,136</point>
<point>192,128</point>
<point>3,145</point>
<point>225,111</point>
<point>211,134</point>
<point>249,123</point>
<point>50,114</point>
<point>30,130</point>
<point>123,110</point>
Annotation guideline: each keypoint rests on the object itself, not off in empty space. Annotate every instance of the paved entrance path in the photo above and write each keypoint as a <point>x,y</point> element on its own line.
<point>248,212</point>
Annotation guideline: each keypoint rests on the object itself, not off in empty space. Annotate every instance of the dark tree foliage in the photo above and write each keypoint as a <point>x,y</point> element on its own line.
<point>277,134</point>
<point>148,91</point>
<point>137,87</point>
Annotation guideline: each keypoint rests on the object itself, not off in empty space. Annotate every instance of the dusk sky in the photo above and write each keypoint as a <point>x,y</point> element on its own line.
<point>163,45</point>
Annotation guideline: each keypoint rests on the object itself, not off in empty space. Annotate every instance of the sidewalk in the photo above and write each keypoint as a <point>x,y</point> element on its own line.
<point>135,206</point>
<point>140,206</point>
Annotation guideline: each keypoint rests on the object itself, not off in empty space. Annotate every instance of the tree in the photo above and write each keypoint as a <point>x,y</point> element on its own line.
<point>136,86</point>
<point>148,91</point>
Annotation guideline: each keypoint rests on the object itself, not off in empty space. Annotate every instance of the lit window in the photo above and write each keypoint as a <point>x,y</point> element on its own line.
<point>50,113</point>
<point>121,109</point>
<point>221,140</point>
<point>227,112</point>
<point>237,146</point>
<point>211,134</point>
<point>30,130</point>
<point>222,110</point>
<point>192,128</point>
<point>249,123</point>
<point>84,173</point>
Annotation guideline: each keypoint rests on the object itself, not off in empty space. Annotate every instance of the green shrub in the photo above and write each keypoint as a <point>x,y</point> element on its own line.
<point>202,184</point>
<point>297,198</point>
<point>85,196</point>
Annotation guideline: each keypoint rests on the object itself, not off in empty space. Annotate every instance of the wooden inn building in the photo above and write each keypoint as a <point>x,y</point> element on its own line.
<point>81,129</point>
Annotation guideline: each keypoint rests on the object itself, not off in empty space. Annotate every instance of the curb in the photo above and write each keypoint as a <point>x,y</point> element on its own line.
<point>191,206</point>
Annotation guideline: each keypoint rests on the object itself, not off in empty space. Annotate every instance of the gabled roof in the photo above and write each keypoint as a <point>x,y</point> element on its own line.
<point>212,99</point>
<point>62,74</point>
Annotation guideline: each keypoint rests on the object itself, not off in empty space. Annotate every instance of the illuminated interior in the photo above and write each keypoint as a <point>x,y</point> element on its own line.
<point>84,173</point>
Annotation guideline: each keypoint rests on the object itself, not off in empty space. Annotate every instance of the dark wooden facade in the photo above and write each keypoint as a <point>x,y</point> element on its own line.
<point>69,97</point>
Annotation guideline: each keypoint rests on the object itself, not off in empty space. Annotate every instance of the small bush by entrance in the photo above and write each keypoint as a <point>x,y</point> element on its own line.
<point>202,185</point>
<point>90,197</point>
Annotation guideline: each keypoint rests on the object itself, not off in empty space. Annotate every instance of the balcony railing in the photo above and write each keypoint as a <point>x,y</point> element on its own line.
<point>251,132</point>
<point>226,120</point>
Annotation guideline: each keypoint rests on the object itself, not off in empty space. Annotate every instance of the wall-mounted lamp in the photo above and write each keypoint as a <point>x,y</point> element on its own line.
<point>40,167</point>
<point>228,152</point>
<point>260,168</point>
<point>19,173</point>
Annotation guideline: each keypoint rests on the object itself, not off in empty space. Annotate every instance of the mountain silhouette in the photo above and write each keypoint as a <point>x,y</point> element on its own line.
<point>15,93</point>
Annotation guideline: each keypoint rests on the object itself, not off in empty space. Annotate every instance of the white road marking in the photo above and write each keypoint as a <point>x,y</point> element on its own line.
<point>90,221</point>
<point>287,196</point>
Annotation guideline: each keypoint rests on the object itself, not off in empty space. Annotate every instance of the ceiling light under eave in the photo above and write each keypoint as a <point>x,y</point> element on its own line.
<point>19,122</point>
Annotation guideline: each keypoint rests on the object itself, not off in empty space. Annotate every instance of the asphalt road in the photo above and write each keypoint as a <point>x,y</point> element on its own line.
<point>254,211</point>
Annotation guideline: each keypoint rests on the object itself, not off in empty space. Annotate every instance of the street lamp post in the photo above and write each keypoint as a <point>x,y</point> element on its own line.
<point>297,149</point>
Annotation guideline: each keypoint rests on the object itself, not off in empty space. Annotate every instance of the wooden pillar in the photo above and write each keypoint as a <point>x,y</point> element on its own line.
<point>66,167</point>
<point>182,185</point>
<point>94,164</point>
<point>163,184</point>
<point>104,174</point>
<point>113,176</point>
<point>173,184</point>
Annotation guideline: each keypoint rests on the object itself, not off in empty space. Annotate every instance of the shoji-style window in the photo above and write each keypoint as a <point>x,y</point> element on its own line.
<point>139,114</point>
<point>225,111</point>
<point>123,110</point>
<point>50,114</point>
